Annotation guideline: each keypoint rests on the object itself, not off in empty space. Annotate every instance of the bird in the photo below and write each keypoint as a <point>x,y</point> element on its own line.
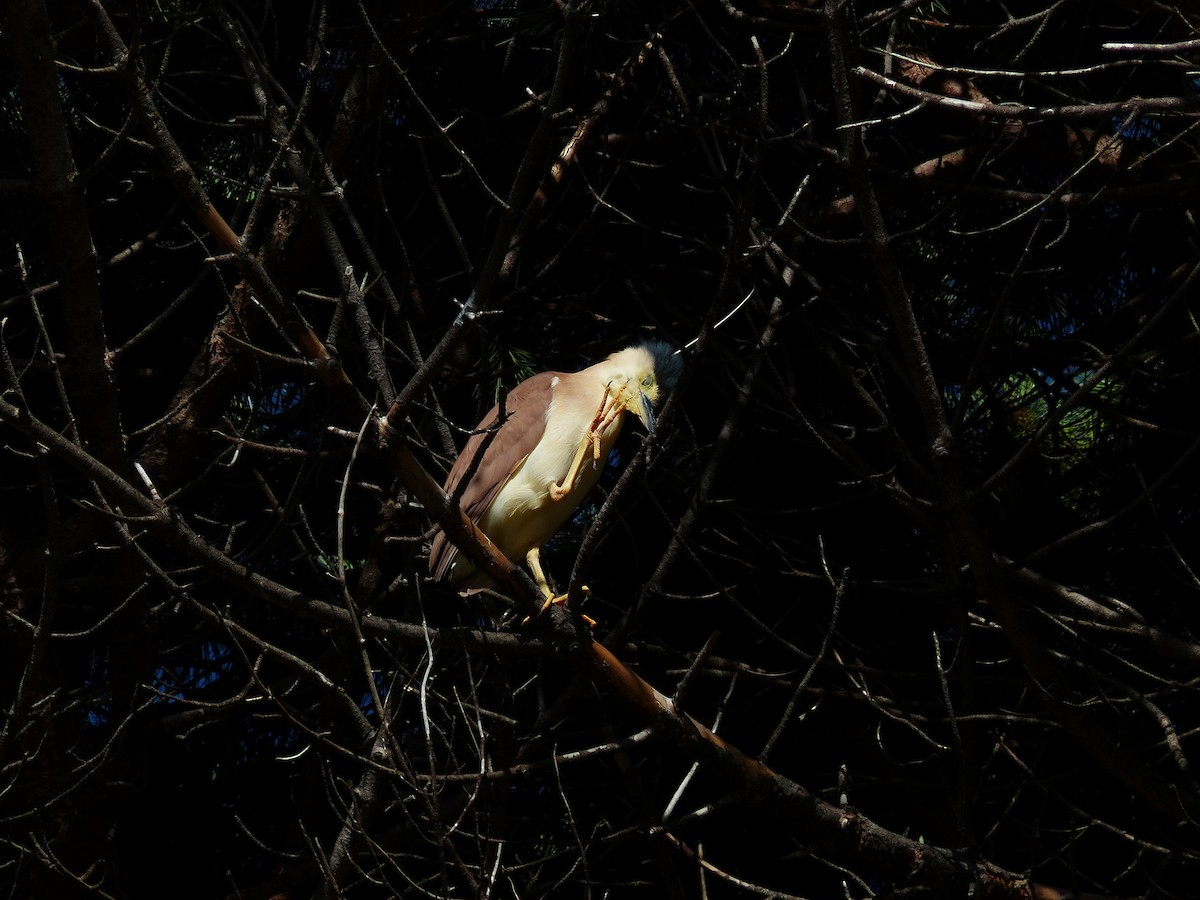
<point>533,458</point>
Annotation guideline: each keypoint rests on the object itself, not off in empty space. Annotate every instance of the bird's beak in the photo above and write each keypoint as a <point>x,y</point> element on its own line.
<point>645,411</point>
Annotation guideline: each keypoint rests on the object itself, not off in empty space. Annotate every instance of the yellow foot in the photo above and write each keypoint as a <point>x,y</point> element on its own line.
<point>560,600</point>
<point>610,409</point>
<point>534,560</point>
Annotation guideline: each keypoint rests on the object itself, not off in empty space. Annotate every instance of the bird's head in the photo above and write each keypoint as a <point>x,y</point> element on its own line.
<point>642,375</point>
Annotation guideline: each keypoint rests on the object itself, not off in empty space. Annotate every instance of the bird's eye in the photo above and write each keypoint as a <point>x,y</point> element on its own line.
<point>647,381</point>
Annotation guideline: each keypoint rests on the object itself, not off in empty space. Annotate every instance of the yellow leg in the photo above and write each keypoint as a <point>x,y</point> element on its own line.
<point>609,409</point>
<point>558,491</point>
<point>602,420</point>
<point>534,560</point>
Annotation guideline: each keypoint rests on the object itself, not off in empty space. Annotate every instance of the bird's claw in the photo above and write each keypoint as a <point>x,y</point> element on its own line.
<point>553,599</point>
<point>610,408</point>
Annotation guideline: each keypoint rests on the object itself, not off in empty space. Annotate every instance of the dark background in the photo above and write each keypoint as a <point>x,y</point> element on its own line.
<point>918,528</point>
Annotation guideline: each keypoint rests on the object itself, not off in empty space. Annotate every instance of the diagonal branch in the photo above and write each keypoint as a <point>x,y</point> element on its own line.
<point>840,832</point>
<point>195,197</point>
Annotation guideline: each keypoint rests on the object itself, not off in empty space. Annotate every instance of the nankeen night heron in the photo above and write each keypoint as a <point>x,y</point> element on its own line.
<point>546,454</point>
